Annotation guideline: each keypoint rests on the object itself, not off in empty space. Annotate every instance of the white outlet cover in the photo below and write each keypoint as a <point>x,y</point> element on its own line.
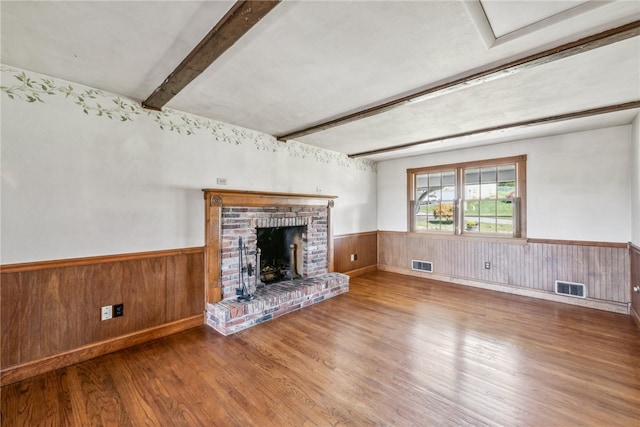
<point>106,312</point>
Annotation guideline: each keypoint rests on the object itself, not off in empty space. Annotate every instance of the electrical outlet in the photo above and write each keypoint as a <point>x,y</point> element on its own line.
<point>118,310</point>
<point>106,312</point>
<point>354,257</point>
<point>487,265</point>
<point>221,181</point>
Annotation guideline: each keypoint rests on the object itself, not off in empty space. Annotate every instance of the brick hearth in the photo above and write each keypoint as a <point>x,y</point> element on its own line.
<point>272,301</point>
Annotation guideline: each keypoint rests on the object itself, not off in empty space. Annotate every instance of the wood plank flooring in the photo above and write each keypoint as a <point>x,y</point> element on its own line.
<point>394,351</point>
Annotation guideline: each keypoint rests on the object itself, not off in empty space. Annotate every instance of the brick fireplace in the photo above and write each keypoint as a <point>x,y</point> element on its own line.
<point>243,222</point>
<point>233,218</point>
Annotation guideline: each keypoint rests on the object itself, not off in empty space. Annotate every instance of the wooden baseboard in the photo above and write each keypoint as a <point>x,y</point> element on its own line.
<point>635,316</point>
<point>611,306</point>
<point>361,271</point>
<point>21,372</point>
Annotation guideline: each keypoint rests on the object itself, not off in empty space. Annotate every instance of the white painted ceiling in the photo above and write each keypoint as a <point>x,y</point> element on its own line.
<point>307,62</point>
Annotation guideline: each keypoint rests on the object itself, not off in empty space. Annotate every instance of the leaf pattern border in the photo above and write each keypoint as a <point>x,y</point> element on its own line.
<point>34,89</point>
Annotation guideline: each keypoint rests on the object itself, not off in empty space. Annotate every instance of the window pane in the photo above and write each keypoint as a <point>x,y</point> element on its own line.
<point>504,209</point>
<point>422,211</point>
<point>487,208</point>
<point>472,207</point>
<point>488,175</point>
<point>420,192</point>
<point>504,225</point>
<point>505,228</point>
<point>435,180</point>
<point>487,225</point>
<point>472,191</point>
<point>435,194</point>
<point>442,216</point>
<point>472,176</point>
<point>488,191</point>
<point>471,223</point>
<point>449,179</point>
<point>448,194</point>
<point>433,222</point>
<point>433,191</point>
<point>488,196</point>
<point>507,173</point>
<point>506,190</point>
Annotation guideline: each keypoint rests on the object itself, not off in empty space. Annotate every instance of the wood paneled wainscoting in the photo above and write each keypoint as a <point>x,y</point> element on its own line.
<point>50,311</point>
<point>520,266</point>
<point>634,255</point>
<point>356,254</point>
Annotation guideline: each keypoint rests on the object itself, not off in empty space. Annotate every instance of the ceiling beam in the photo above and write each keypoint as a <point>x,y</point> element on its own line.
<point>525,123</point>
<point>242,16</point>
<point>582,45</point>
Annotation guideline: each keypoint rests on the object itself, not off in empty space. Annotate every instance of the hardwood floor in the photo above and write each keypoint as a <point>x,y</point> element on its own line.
<point>394,351</point>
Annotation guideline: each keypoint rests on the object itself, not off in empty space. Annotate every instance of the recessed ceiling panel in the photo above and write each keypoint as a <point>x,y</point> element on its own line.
<point>508,16</point>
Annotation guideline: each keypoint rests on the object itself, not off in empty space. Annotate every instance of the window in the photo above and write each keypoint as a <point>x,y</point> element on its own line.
<point>477,198</point>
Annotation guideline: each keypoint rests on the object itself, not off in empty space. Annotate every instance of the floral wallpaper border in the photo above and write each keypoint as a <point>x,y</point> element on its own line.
<point>33,88</point>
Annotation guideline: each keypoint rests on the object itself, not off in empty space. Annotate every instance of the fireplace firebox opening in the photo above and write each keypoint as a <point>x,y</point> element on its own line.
<point>280,251</point>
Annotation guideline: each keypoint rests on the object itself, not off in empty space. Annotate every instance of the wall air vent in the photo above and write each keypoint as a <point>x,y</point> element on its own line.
<point>422,266</point>
<point>570,289</point>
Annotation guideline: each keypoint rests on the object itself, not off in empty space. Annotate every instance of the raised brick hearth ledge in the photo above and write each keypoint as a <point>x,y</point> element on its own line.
<point>230,316</point>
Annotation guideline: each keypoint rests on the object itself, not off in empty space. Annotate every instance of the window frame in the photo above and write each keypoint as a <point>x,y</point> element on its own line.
<point>519,210</point>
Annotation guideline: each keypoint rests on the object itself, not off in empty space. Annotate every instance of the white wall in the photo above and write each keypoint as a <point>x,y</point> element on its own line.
<point>577,184</point>
<point>635,183</point>
<point>77,185</point>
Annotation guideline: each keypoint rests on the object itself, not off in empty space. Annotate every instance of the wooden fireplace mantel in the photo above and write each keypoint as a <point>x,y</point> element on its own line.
<point>216,198</point>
